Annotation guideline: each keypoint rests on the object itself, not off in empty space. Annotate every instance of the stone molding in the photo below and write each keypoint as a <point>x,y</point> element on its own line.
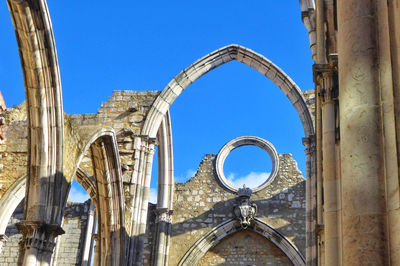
<point>10,201</point>
<point>218,233</point>
<point>39,235</point>
<point>246,141</point>
<point>215,59</point>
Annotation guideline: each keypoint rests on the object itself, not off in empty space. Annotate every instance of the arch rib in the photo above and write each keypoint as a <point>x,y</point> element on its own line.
<point>46,188</point>
<point>218,233</point>
<point>109,202</point>
<point>214,60</point>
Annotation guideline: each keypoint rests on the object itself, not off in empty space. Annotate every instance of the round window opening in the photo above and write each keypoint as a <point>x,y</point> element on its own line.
<point>249,161</point>
<point>247,165</point>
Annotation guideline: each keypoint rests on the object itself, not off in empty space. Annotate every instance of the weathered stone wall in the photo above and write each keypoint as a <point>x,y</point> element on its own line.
<point>245,248</point>
<point>201,204</point>
<point>9,252</point>
<point>123,110</point>
<point>69,251</point>
<point>71,244</point>
<point>13,148</point>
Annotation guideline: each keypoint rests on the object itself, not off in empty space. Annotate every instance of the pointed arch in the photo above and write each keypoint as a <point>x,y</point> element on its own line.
<point>42,83</point>
<point>218,233</point>
<point>215,59</point>
<point>248,57</point>
<point>109,204</point>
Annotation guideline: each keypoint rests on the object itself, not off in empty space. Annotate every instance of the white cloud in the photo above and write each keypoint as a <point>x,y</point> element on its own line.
<point>153,195</point>
<point>252,180</point>
<point>77,195</point>
<point>189,173</point>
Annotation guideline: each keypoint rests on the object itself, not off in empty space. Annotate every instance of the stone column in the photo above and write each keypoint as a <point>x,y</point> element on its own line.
<point>96,258</point>
<point>88,242</point>
<point>143,152</point>
<point>326,78</point>
<point>161,239</point>
<point>311,208</point>
<point>38,242</point>
<point>364,218</point>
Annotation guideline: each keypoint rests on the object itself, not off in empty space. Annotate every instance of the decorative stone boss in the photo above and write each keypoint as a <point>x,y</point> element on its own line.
<point>245,210</point>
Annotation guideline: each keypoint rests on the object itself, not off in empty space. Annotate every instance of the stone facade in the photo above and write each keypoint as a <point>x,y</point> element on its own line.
<point>245,248</point>
<point>70,246</point>
<point>201,204</point>
<point>351,145</point>
<point>9,253</point>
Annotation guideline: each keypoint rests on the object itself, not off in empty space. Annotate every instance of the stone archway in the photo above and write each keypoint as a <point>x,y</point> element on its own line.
<point>217,234</point>
<point>46,185</point>
<point>110,207</point>
<point>215,59</point>
<point>248,57</point>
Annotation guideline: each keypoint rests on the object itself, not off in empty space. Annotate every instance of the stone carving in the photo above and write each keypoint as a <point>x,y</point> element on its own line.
<point>245,210</point>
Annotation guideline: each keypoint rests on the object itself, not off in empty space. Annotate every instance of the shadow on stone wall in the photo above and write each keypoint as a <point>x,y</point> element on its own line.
<point>271,208</point>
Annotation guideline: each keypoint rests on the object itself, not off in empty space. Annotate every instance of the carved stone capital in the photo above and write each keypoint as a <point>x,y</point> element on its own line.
<point>163,215</point>
<point>39,235</point>
<point>326,79</point>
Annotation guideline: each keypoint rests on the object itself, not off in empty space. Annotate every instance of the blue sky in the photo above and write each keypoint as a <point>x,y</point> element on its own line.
<point>142,45</point>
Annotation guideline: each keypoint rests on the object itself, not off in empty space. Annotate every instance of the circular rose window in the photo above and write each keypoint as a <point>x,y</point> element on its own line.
<point>246,141</point>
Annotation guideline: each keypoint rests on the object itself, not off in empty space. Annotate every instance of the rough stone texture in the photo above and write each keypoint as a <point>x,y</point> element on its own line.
<point>245,248</point>
<point>13,149</point>
<point>309,96</point>
<point>123,110</point>
<point>9,253</point>
<point>71,243</point>
<point>70,249</point>
<point>201,204</point>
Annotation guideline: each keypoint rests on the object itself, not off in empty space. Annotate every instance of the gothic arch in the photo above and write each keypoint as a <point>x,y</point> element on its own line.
<point>110,205</point>
<point>215,59</point>
<point>218,233</point>
<point>85,180</point>
<point>42,83</point>
<point>246,56</point>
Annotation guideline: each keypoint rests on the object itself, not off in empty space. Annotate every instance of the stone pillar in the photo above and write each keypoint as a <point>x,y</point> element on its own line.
<point>326,78</point>
<point>364,218</point>
<point>161,239</point>
<point>3,239</point>
<point>141,175</point>
<point>311,208</point>
<point>96,258</point>
<point>38,242</point>
<point>88,244</point>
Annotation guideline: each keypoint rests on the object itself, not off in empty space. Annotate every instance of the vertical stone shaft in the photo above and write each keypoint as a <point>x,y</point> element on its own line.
<point>362,182</point>
<point>329,171</point>
<point>388,76</point>
<point>320,59</point>
<point>311,208</point>
<point>393,10</point>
